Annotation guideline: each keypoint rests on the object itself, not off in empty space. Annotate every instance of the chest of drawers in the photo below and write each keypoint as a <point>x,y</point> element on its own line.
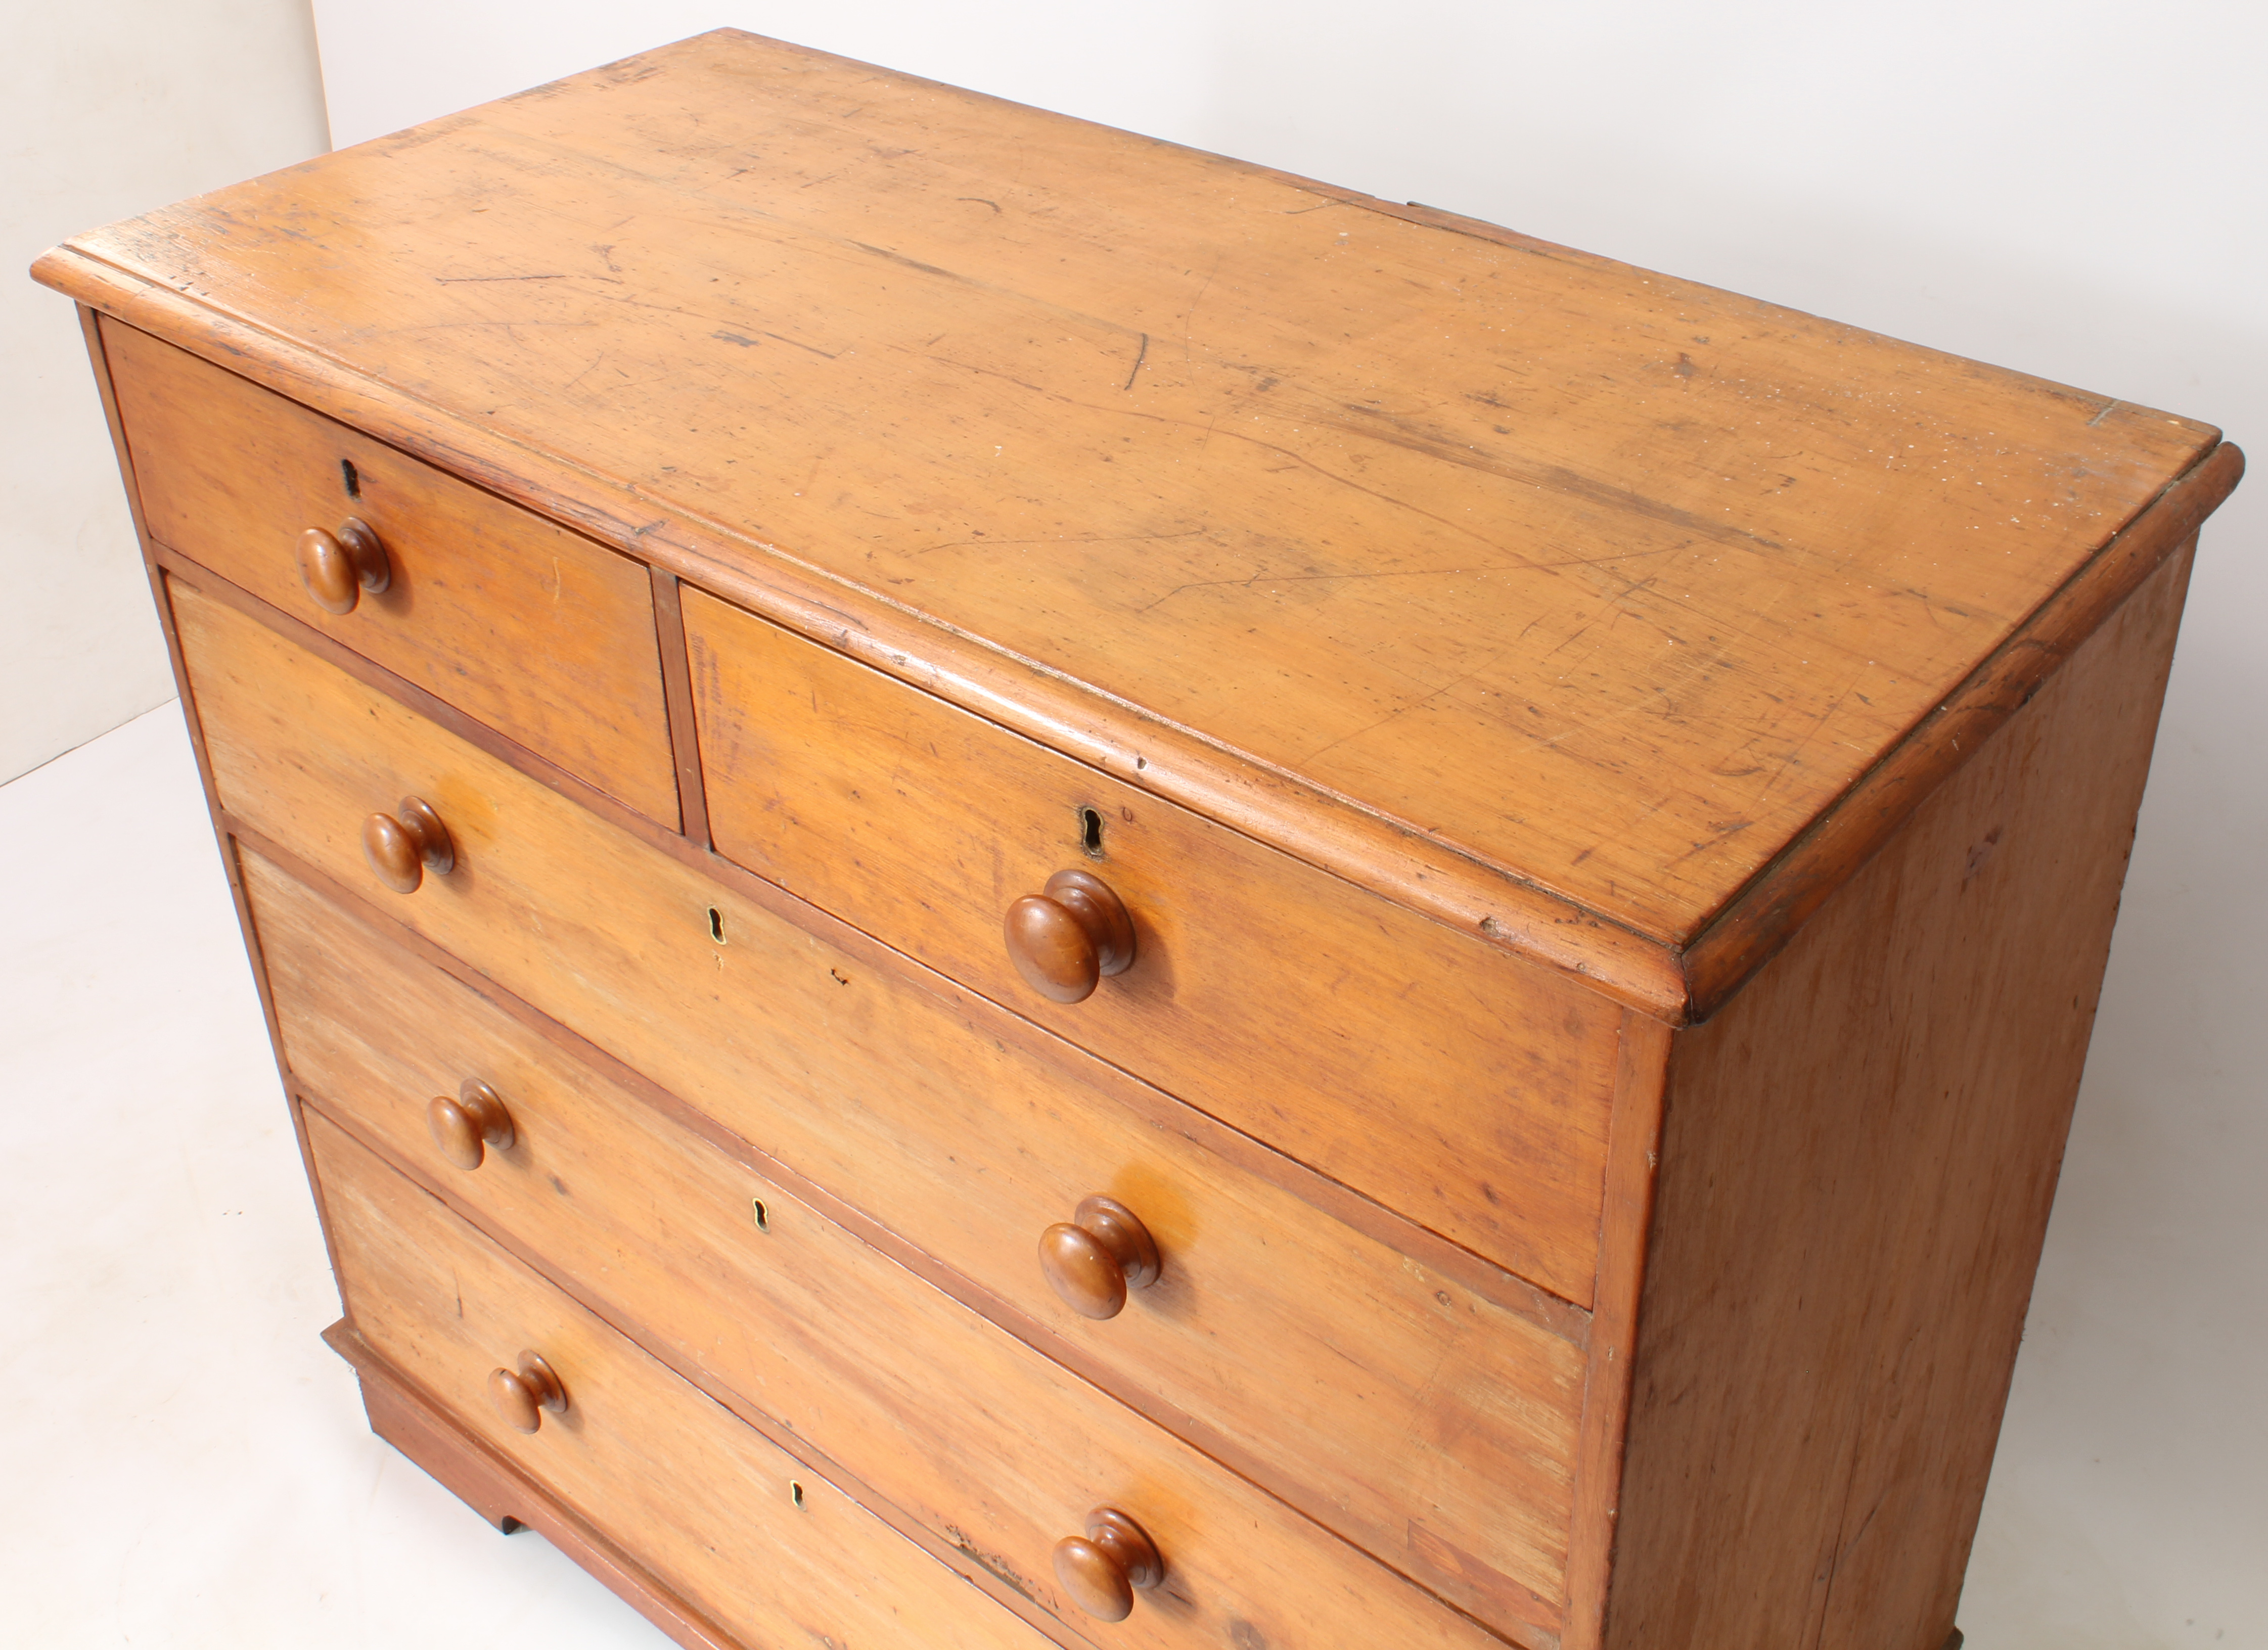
<point>1022,889</point>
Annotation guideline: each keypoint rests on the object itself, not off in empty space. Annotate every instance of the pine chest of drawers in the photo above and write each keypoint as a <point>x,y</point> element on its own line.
<point>1020,887</point>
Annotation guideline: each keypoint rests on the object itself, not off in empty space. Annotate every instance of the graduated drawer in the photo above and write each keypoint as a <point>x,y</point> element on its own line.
<point>991,1445</point>
<point>1432,1423</point>
<point>541,633</point>
<point>1458,1085</point>
<point>695,1494</point>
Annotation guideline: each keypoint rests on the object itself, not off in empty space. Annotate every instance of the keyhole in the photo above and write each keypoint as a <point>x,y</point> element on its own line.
<point>717,927</point>
<point>1090,832</point>
<point>351,477</point>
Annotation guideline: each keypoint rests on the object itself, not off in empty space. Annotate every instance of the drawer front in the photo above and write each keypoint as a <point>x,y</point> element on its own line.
<point>538,633</point>
<point>1433,1426</point>
<point>992,1446</point>
<point>1461,1085</point>
<point>697,1495</point>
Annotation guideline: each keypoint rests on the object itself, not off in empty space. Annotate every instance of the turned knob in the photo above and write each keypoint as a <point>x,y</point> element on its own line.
<point>337,567</point>
<point>463,1128</point>
<point>1095,1257</point>
<point>1101,1572</point>
<point>1068,935</point>
<point>402,846</point>
<point>522,1394</point>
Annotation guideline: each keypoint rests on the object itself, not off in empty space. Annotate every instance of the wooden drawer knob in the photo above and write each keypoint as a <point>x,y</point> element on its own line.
<point>465,1127</point>
<point>337,567</point>
<point>522,1394</point>
<point>403,845</point>
<point>1101,1572</point>
<point>1068,935</point>
<point>1092,1260</point>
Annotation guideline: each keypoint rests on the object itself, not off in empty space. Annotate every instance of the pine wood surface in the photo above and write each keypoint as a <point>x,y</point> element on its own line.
<point>1857,1164</point>
<point>1381,1377</point>
<point>677,694</point>
<point>98,359</point>
<point>1752,670</point>
<point>536,630</point>
<point>921,1388</point>
<point>1634,1159</point>
<point>636,1447</point>
<point>408,1418</point>
<point>655,1229</point>
<point>1421,548</point>
<point>1461,1085</point>
<point>851,949</point>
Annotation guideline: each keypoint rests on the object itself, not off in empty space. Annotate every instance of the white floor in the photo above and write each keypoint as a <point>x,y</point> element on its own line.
<point>184,1464</point>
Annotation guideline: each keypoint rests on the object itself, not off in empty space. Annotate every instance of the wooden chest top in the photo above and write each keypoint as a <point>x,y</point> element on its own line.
<point>1615,615</point>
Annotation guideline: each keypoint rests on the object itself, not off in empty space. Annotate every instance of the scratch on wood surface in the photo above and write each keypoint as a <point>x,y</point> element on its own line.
<point>585,373</point>
<point>1401,710</point>
<point>2107,409</point>
<point>1432,443</point>
<point>1299,459</point>
<point>1611,609</point>
<point>1718,829</point>
<point>1140,355</point>
<point>1077,538</point>
<point>1413,572</point>
<point>1622,712</point>
<point>1795,757</point>
<point>1190,317</point>
<point>793,344</point>
<point>464,280</point>
<point>911,263</point>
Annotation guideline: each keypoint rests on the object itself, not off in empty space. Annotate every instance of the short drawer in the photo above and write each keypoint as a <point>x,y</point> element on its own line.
<point>991,1445</point>
<point>537,632</point>
<point>1461,1085</point>
<point>1431,1424</point>
<point>737,1525</point>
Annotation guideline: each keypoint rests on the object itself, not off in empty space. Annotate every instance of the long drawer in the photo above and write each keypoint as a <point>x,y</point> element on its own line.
<point>989,1444</point>
<point>1463,1086</point>
<point>1431,1426</point>
<point>539,632</point>
<point>734,1522</point>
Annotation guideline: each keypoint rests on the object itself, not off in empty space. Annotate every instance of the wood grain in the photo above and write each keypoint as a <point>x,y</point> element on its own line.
<point>1261,549</point>
<point>1462,1087</point>
<point>635,1447</point>
<point>1633,1157</point>
<point>1857,1164</point>
<point>1530,588</point>
<point>98,357</point>
<point>982,1439</point>
<point>1410,1413</point>
<point>984,1018</point>
<point>1752,928</point>
<point>537,631</point>
<point>408,1419</point>
<point>677,695</point>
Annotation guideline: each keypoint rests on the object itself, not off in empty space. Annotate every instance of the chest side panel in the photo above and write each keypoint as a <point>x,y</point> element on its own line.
<point>1858,1159</point>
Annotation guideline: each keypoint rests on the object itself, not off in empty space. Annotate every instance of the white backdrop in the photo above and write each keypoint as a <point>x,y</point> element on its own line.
<point>2074,189</point>
<point>109,107</point>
